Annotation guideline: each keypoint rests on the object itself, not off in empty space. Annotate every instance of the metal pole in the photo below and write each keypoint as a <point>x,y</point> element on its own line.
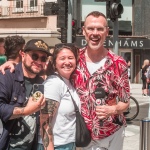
<point>144,134</point>
<point>69,30</point>
<point>115,36</point>
<point>77,12</point>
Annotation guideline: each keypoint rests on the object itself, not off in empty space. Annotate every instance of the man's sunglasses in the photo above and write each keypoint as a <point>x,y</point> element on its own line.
<point>35,57</point>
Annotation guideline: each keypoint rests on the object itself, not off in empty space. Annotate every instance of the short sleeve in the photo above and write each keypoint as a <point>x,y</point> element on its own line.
<point>53,88</point>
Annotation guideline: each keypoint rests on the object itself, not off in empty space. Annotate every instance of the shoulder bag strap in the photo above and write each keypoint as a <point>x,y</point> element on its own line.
<point>75,105</point>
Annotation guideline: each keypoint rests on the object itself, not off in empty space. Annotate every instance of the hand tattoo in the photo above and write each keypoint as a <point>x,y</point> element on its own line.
<point>18,112</point>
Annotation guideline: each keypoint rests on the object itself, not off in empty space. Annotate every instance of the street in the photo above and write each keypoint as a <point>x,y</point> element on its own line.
<point>132,132</point>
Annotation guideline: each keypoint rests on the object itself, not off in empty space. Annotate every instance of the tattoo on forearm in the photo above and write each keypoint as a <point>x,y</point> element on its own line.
<point>50,106</point>
<point>50,132</point>
<point>46,117</point>
<point>18,112</point>
<point>46,138</point>
<point>45,135</point>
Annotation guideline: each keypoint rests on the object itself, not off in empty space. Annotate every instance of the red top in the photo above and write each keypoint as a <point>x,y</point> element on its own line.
<point>113,78</point>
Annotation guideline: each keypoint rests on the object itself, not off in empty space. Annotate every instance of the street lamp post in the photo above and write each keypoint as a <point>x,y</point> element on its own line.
<point>69,30</point>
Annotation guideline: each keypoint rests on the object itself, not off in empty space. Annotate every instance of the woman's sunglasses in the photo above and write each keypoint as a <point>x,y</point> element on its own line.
<point>35,57</point>
<point>61,45</point>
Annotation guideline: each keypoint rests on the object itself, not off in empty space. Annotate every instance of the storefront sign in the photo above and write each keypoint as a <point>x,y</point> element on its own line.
<point>127,43</point>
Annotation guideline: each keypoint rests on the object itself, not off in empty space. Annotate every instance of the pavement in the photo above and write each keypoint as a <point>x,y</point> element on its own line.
<point>132,132</point>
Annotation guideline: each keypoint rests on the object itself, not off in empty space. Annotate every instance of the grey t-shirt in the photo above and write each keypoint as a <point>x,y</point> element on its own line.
<point>24,131</point>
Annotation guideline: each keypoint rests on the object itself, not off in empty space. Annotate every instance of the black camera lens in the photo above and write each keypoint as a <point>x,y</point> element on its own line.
<point>36,87</point>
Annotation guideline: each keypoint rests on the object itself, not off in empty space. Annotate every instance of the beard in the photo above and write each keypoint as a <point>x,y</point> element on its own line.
<point>31,69</point>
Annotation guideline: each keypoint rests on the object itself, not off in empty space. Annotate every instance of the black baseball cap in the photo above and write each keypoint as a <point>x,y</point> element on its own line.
<point>37,45</point>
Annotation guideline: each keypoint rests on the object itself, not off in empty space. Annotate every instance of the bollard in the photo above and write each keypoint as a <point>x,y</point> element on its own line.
<point>145,134</point>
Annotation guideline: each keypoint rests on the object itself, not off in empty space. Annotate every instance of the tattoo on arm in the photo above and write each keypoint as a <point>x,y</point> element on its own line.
<point>18,112</point>
<point>50,107</point>
<point>45,135</point>
<point>47,115</point>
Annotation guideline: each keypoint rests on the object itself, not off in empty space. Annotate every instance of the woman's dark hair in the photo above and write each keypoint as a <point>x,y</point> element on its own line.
<point>59,47</point>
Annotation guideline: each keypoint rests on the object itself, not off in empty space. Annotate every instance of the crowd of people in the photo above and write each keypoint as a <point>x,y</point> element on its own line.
<point>65,72</point>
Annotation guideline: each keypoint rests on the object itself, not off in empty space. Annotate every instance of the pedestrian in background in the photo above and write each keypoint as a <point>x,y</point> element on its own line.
<point>129,71</point>
<point>98,71</point>
<point>3,58</point>
<point>144,78</point>
<point>148,81</point>
<point>14,45</point>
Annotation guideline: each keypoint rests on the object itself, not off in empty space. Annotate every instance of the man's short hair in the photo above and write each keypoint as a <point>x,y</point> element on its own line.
<point>13,44</point>
<point>96,14</point>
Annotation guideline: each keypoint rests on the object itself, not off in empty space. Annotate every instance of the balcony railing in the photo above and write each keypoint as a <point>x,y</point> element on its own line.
<point>26,11</point>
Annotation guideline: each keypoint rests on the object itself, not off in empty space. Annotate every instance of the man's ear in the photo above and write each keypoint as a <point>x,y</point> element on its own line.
<point>107,31</point>
<point>22,54</point>
<point>83,30</point>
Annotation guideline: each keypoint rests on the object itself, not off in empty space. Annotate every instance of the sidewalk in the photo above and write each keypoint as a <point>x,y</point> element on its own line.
<point>132,132</point>
<point>132,138</point>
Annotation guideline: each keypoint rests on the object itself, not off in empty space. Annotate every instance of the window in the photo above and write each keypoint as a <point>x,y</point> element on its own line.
<point>18,6</point>
<point>32,5</point>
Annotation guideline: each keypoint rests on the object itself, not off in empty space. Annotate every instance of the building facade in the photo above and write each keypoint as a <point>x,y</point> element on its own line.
<point>27,18</point>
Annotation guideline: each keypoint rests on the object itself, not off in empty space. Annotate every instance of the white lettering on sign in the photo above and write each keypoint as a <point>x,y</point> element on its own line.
<point>126,43</point>
<point>134,43</point>
<point>110,43</point>
<point>83,42</point>
<point>122,43</point>
<point>141,43</point>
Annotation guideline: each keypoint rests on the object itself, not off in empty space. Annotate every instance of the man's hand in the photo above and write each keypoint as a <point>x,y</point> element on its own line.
<point>104,111</point>
<point>8,65</point>
<point>34,106</point>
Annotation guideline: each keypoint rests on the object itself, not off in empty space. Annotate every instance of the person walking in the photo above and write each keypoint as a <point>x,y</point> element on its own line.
<point>129,71</point>
<point>144,78</point>
<point>101,81</point>
<point>148,80</point>
<point>17,108</point>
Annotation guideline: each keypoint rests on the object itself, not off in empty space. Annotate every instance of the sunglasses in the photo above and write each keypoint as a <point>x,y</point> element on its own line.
<point>35,57</point>
<point>61,45</point>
